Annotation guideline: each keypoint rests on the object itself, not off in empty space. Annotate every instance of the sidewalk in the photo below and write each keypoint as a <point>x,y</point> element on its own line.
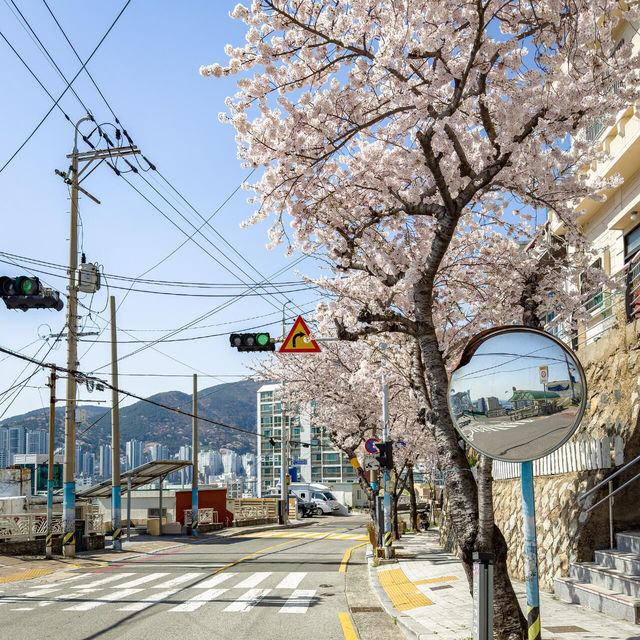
<point>22,568</point>
<point>428,594</point>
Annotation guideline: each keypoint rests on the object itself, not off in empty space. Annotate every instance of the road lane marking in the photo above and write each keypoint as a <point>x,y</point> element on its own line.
<point>101,581</point>
<point>299,601</point>
<point>347,626</point>
<point>148,578</point>
<point>152,598</point>
<point>110,597</point>
<point>197,601</point>
<point>291,580</point>
<point>248,600</point>
<point>346,556</point>
<point>214,581</point>
<point>254,580</point>
<point>251,555</point>
<point>176,581</point>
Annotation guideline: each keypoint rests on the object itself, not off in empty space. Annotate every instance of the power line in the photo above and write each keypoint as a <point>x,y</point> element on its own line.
<point>55,104</point>
<point>83,377</point>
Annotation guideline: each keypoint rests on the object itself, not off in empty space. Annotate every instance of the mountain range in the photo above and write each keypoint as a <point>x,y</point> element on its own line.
<point>232,403</point>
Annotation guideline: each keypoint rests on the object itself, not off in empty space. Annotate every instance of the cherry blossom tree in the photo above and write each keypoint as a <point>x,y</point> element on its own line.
<point>401,139</point>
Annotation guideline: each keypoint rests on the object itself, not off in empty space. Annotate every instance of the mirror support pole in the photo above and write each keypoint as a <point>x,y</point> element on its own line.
<point>530,551</point>
<point>386,475</point>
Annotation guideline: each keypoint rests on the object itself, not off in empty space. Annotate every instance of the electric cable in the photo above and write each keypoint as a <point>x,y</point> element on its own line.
<point>56,101</point>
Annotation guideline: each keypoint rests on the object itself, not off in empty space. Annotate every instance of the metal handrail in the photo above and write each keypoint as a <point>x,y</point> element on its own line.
<point>609,496</point>
<point>582,496</point>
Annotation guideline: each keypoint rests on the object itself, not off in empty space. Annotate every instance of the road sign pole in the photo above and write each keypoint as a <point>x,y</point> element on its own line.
<point>483,596</point>
<point>530,551</point>
<point>386,475</point>
<point>51,461</point>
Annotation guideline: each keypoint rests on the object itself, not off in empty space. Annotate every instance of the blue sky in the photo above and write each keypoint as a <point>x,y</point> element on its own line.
<point>148,70</point>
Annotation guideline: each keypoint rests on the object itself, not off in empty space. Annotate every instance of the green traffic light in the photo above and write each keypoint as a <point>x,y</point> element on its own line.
<point>25,286</point>
<point>262,339</point>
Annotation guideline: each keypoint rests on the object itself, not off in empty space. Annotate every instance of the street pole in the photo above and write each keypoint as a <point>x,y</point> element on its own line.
<point>194,458</point>
<point>51,461</point>
<point>530,551</point>
<point>284,460</point>
<point>386,475</point>
<point>69,485</point>
<point>128,508</point>
<point>116,521</point>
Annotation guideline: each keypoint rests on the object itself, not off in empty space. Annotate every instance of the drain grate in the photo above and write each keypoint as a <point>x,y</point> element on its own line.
<point>565,629</point>
<point>365,609</point>
<point>442,586</point>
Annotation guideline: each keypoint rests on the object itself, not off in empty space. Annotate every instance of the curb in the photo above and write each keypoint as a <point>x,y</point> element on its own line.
<point>410,628</point>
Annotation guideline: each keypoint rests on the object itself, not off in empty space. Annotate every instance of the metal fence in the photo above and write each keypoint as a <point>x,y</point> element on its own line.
<point>205,516</point>
<point>253,508</point>
<point>583,454</point>
<point>30,526</point>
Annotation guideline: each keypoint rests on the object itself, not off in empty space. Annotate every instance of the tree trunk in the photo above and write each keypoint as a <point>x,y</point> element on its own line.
<point>462,489</point>
<point>414,504</point>
<point>484,541</point>
<point>394,516</point>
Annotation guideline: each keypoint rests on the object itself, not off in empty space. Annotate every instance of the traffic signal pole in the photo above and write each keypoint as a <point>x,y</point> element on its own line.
<point>194,458</point>
<point>116,488</point>
<point>50,461</point>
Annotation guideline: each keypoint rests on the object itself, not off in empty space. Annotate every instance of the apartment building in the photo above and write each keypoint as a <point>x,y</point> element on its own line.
<point>612,226</point>
<point>319,462</point>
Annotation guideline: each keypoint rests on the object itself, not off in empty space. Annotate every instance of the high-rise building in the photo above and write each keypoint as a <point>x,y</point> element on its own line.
<point>17,440</point>
<point>231,462</point>
<point>185,453</point>
<point>104,461</point>
<point>4,438</point>
<point>249,464</point>
<point>5,458</point>
<point>134,450</point>
<point>37,441</point>
<point>80,449</point>
<point>159,452</point>
<point>321,462</point>
<point>88,463</point>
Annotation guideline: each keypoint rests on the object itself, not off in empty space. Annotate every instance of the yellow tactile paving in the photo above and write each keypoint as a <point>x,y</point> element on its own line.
<point>435,580</point>
<point>402,592</point>
<point>30,574</point>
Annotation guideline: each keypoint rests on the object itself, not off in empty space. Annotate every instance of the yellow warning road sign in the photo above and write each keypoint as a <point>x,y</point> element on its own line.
<point>298,340</point>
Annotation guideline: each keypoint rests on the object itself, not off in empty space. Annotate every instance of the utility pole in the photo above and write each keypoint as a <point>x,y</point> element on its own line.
<point>194,458</point>
<point>116,491</point>
<point>73,179</point>
<point>284,442</point>
<point>51,461</point>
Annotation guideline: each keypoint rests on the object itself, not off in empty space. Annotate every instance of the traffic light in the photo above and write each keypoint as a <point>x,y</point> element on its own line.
<point>25,292</point>
<point>252,342</point>
<point>385,454</point>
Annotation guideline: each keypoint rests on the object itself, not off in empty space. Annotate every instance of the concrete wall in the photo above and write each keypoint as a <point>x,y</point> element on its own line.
<point>15,482</point>
<point>141,502</point>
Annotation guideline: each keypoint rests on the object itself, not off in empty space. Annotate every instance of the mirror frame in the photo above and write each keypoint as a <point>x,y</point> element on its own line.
<point>472,346</point>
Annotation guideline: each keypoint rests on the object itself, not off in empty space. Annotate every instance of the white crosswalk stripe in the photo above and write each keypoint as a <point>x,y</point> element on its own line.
<point>148,578</point>
<point>254,580</point>
<point>176,581</point>
<point>248,600</point>
<point>299,601</point>
<point>152,598</point>
<point>197,601</point>
<point>214,581</point>
<point>120,594</point>
<point>291,580</point>
<point>103,581</point>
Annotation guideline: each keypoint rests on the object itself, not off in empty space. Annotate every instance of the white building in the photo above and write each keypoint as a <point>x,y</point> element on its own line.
<point>320,462</point>
<point>104,461</point>
<point>134,449</point>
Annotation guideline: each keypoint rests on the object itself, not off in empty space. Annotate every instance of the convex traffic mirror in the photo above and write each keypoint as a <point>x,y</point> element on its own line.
<point>517,394</point>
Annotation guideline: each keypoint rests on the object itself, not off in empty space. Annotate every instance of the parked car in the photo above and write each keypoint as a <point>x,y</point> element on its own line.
<point>305,508</point>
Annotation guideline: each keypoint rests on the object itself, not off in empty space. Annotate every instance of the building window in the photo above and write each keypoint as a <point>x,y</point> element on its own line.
<point>632,260</point>
<point>595,295</point>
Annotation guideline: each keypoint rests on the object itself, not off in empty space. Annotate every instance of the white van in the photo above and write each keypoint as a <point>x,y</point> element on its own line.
<point>318,493</point>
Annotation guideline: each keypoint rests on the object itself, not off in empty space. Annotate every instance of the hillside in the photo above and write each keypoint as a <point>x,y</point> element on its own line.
<point>233,403</point>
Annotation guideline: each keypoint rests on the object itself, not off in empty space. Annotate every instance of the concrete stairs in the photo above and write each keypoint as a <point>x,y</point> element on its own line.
<point>611,584</point>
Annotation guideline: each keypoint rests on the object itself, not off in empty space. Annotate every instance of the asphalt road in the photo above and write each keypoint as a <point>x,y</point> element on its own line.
<point>261,585</point>
<point>523,439</point>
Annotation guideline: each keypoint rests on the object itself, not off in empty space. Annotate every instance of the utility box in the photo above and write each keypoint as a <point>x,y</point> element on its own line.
<point>88,277</point>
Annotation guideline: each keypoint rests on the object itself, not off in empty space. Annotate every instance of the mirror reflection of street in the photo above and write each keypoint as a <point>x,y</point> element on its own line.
<point>518,396</point>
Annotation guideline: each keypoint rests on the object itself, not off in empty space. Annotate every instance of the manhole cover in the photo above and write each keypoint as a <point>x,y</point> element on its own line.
<point>365,609</point>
